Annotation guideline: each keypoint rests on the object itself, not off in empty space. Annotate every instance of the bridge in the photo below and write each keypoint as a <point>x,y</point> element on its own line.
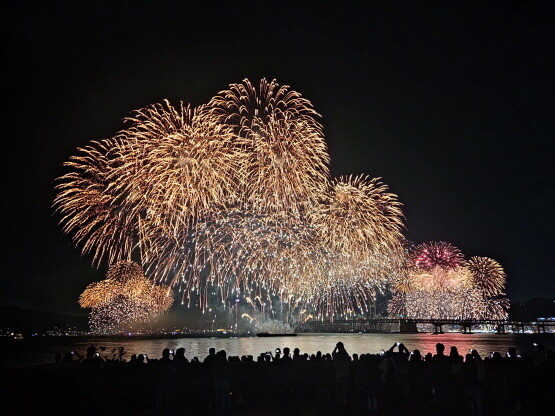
<point>380,325</point>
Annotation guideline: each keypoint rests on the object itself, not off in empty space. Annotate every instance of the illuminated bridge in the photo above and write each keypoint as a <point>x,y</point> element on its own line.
<point>410,325</point>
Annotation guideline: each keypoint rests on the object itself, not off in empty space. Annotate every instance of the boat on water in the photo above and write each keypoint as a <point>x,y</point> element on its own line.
<point>268,334</point>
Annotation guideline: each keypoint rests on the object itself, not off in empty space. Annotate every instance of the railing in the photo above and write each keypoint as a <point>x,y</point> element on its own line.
<point>410,325</point>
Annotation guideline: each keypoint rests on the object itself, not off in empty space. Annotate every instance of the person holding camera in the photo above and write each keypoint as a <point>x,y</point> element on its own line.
<point>341,360</point>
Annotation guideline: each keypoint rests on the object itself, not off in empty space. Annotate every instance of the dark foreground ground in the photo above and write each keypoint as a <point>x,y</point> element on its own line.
<point>394,383</point>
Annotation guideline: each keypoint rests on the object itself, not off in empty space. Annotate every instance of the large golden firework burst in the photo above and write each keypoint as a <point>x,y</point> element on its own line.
<point>285,151</point>
<point>91,207</point>
<point>236,195</point>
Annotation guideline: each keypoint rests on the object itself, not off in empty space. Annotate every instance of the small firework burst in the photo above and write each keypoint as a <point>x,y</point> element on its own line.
<point>488,275</point>
<point>433,254</point>
<point>125,296</point>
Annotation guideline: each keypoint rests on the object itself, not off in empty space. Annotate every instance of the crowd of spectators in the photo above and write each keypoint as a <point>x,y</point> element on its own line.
<point>392,382</point>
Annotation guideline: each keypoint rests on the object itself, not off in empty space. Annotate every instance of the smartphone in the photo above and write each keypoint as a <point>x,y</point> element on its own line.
<point>535,344</point>
<point>171,352</point>
<point>278,350</point>
<point>72,352</point>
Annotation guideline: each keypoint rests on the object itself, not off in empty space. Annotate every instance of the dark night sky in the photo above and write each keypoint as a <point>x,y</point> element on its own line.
<point>451,104</point>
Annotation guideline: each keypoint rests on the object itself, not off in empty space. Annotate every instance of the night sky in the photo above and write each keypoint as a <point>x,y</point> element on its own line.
<point>450,103</point>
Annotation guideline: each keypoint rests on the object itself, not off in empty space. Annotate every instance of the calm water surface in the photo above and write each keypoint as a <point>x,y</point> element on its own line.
<point>41,350</point>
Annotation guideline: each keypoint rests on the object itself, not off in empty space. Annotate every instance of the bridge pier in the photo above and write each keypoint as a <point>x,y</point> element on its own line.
<point>500,329</point>
<point>466,328</point>
<point>407,326</point>
<point>437,328</point>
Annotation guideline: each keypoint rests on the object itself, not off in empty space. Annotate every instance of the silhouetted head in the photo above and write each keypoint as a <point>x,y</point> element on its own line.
<point>141,358</point>
<point>286,352</point>
<point>91,350</point>
<point>454,353</point>
<point>166,353</point>
<point>180,352</point>
<point>212,351</point>
<point>416,356</point>
<point>512,352</point>
<point>440,348</point>
<point>296,351</point>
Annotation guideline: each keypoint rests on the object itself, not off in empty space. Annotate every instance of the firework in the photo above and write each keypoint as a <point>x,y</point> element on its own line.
<point>232,197</point>
<point>125,296</point>
<point>286,154</point>
<point>119,313</point>
<point>488,275</point>
<point>440,294</point>
<point>90,207</point>
<point>429,255</point>
<point>440,284</point>
<point>360,218</point>
<point>181,166</point>
<point>497,307</point>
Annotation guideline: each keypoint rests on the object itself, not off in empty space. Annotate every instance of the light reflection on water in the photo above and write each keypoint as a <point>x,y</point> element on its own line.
<point>42,350</point>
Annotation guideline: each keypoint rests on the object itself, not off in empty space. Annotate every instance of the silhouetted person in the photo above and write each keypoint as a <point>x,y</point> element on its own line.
<point>341,366</point>
<point>73,356</point>
<point>441,369</point>
<point>286,354</point>
<point>455,360</point>
<point>165,383</point>
<point>470,383</point>
<point>211,355</point>
<point>220,382</point>
<point>166,355</point>
<point>180,356</point>
<point>93,359</point>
